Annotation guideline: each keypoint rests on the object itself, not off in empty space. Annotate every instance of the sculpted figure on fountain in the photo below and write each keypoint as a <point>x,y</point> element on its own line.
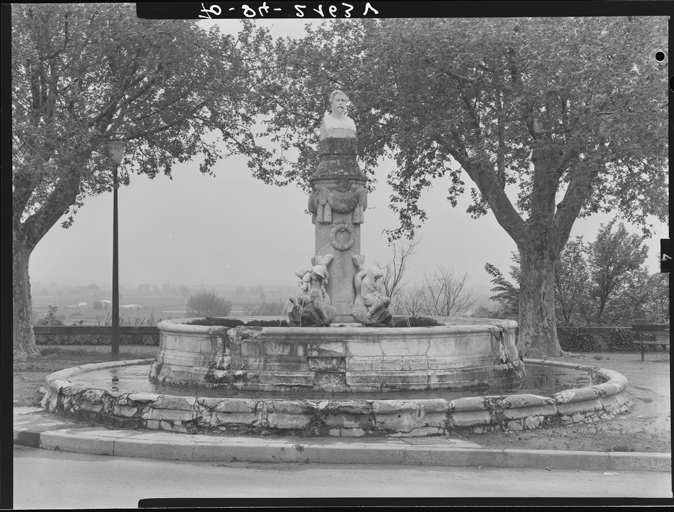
<point>371,304</point>
<point>313,306</point>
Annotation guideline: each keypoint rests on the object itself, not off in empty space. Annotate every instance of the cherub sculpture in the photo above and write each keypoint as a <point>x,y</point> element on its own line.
<point>370,306</point>
<point>313,306</point>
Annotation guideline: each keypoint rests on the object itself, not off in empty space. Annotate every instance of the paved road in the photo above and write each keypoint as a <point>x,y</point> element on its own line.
<point>48,479</point>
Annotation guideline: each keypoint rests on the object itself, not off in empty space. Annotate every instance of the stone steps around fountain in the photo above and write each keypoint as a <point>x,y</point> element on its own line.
<point>35,428</point>
<point>333,417</point>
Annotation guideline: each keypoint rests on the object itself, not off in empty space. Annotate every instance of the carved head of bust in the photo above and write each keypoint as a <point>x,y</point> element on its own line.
<point>338,103</point>
<point>337,123</point>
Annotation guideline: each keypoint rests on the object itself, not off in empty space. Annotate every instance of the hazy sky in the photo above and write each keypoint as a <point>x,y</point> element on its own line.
<point>233,229</point>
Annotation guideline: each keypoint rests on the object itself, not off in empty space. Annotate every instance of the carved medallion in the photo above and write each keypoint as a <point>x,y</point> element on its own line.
<point>342,236</point>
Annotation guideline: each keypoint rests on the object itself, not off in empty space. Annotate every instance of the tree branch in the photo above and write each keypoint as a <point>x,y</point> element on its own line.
<point>490,188</point>
<point>66,40</point>
<point>61,198</point>
<point>167,126</point>
<point>577,193</point>
<point>24,186</point>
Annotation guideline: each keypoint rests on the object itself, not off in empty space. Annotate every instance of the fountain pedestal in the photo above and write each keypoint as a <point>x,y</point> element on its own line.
<point>337,203</point>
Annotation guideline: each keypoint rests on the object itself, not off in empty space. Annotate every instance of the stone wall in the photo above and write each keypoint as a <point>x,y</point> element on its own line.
<point>95,335</point>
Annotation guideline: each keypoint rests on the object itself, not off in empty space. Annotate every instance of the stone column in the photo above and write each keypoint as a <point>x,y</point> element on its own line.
<point>337,202</point>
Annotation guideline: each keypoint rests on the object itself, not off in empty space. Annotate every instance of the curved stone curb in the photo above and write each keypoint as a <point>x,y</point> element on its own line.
<point>59,385</point>
<point>36,431</point>
<point>336,418</point>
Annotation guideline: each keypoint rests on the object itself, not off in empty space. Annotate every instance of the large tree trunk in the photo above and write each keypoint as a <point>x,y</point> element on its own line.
<point>24,338</point>
<point>540,246</point>
<point>537,326</point>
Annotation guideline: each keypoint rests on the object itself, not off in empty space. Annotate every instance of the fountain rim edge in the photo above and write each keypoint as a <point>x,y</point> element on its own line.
<point>615,384</point>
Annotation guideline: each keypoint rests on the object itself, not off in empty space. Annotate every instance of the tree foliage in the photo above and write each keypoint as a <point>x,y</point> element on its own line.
<point>486,93</point>
<point>618,285</point>
<point>207,304</point>
<point>571,283</point>
<point>86,74</point>
<point>604,282</point>
<point>507,294</point>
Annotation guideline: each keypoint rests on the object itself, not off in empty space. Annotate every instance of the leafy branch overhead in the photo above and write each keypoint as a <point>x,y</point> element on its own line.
<point>86,74</point>
<point>604,282</point>
<point>565,115</point>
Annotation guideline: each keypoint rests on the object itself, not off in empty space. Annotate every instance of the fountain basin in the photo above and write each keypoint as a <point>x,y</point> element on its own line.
<point>356,417</point>
<point>459,353</point>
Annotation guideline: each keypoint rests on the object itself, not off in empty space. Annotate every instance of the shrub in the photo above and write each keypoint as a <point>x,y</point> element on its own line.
<point>51,318</point>
<point>207,304</point>
<point>610,339</point>
<point>577,339</point>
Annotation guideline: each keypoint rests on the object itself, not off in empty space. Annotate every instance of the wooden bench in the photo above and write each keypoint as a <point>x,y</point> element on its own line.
<point>661,332</point>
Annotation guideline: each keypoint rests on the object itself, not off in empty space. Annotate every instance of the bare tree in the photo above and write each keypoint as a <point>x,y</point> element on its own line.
<point>442,293</point>
<point>395,271</point>
<point>410,302</point>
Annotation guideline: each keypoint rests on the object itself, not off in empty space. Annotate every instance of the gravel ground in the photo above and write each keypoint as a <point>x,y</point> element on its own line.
<point>645,428</point>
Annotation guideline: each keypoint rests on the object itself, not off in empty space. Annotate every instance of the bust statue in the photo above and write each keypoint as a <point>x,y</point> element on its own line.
<point>337,123</point>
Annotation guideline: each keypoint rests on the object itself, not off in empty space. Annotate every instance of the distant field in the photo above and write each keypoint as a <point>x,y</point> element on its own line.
<point>156,308</point>
<point>153,309</point>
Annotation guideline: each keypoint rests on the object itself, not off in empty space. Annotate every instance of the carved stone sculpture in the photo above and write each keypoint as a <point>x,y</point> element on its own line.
<point>337,123</point>
<point>337,202</point>
<point>323,201</point>
<point>313,306</point>
<point>370,306</point>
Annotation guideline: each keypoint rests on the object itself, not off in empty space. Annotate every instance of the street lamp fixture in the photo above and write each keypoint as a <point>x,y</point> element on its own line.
<point>116,151</point>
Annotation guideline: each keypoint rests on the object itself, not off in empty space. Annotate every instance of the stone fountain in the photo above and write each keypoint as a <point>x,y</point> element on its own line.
<point>331,367</point>
<point>340,337</point>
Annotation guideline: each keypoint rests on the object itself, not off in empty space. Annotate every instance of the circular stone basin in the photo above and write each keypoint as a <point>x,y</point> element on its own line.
<point>455,353</point>
<point>105,393</point>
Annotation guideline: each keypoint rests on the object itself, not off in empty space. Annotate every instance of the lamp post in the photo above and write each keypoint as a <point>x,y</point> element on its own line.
<point>116,150</point>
